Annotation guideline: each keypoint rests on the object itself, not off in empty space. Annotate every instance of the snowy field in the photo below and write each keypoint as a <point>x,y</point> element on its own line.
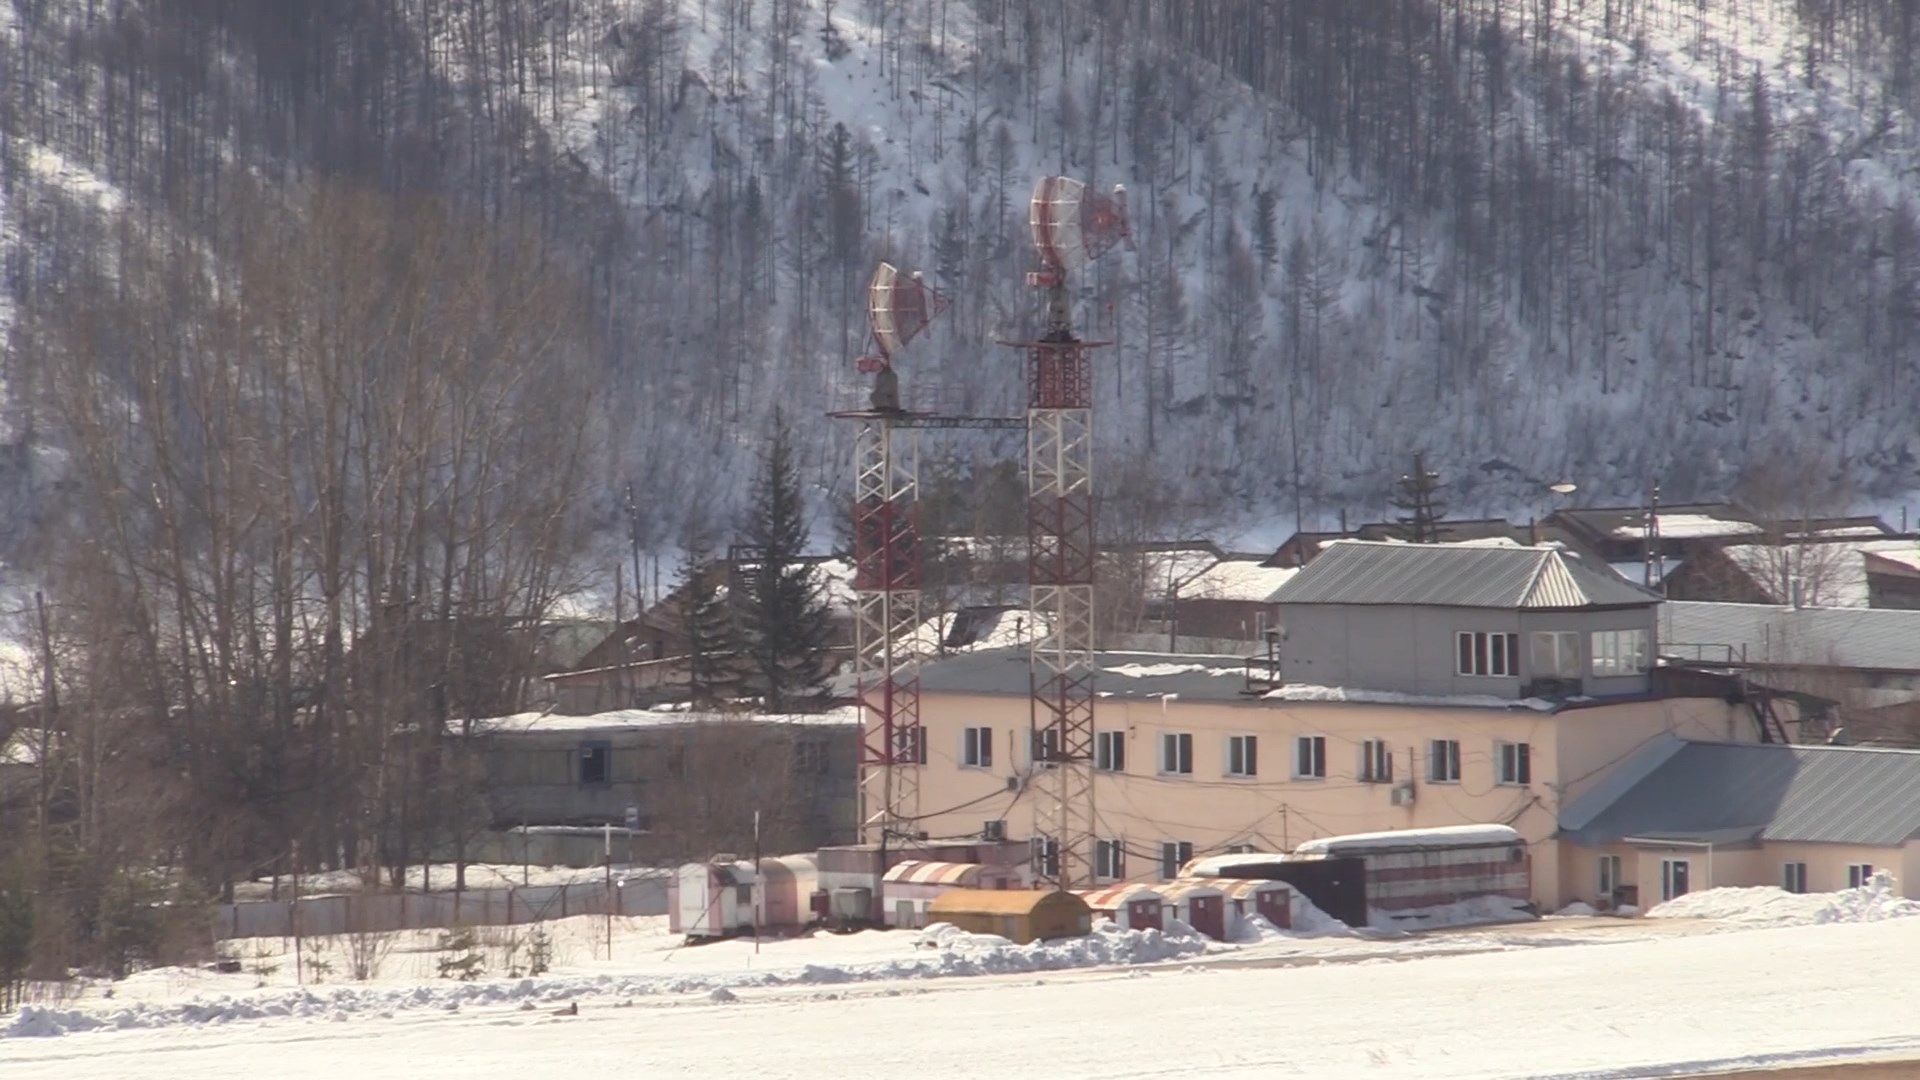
<point>1723,978</point>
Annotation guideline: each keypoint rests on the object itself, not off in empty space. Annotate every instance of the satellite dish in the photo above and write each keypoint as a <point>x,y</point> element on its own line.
<point>1564,487</point>
<point>899,307</point>
<point>1071,226</point>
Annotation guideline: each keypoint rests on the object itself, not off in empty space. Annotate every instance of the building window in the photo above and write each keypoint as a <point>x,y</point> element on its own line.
<point>1174,854</point>
<point>1556,654</point>
<point>1045,745</point>
<point>1310,757</point>
<point>1243,757</point>
<point>810,757</point>
<point>1239,849</point>
<point>1110,751</point>
<point>976,747</point>
<point>1674,878</point>
<point>677,762</point>
<point>596,760</point>
<point>910,746</point>
<point>1516,763</point>
<point>1609,876</point>
<point>1793,877</point>
<point>1482,653</point>
<point>1619,652</point>
<point>1443,761</point>
<point>1109,860</point>
<point>1376,762</point>
<point>1176,754</point>
<point>1859,875</point>
<point>1044,852</point>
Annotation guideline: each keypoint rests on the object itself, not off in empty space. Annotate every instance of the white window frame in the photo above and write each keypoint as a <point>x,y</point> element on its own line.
<point>1436,757</point>
<point>1174,854</point>
<point>1176,753</point>
<point>1110,751</point>
<point>1619,654</point>
<point>1239,849</point>
<point>1317,767</point>
<point>1859,875</point>
<point>910,745</point>
<point>1486,654</point>
<point>1044,853</point>
<point>1513,763</point>
<point>1793,877</point>
<point>1243,756</point>
<point>1109,860</point>
<point>976,747</point>
<point>1376,762</point>
<point>1608,873</point>
<point>1043,746</point>
<point>1668,877</point>
<point>1567,660</point>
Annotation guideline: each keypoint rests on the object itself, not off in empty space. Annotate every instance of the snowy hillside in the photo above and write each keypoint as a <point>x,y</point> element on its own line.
<point>1600,241</point>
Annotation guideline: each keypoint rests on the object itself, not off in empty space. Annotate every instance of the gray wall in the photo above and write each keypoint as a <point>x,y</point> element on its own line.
<point>1412,649</point>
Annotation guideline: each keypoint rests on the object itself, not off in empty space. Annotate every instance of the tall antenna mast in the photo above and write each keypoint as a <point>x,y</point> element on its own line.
<point>1070,228</point>
<point>1656,560</point>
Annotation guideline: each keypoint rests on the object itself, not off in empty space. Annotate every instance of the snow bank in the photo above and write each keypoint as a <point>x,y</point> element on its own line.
<point>1472,911</point>
<point>1579,909</point>
<point>1765,905</point>
<point>1254,930</point>
<point>1153,671</point>
<point>950,953</point>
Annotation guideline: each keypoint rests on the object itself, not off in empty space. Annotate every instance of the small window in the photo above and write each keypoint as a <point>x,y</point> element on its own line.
<point>1176,754</point>
<point>677,762</point>
<point>594,761</point>
<point>1239,849</point>
<point>1110,751</point>
<point>1310,757</point>
<point>1859,875</point>
<point>1676,878</point>
<point>1793,877</point>
<point>1376,762</point>
<point>1174,854</point>
<point>1044,745</point>
<point>810,757</point>
<point>1490,654</point>
<point>1109,860</point>
<point>743,894</point>
<point>1242,755</point>
<point>1556,654</point>
<point>1443,761</point>
<point>1609,876</point>
<point>910,746</point>
<point>976,747</point>
<point>1044,851</point>
<point>1619,652</point>
<point>1516,763</point>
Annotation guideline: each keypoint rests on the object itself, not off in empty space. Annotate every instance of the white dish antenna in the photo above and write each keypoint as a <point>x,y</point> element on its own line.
<point>1072,227</point>
<point>899,307</point>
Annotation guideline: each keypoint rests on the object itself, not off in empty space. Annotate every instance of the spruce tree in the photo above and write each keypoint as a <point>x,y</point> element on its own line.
<point>785,612</point>
<point>1266,228</point>
<point>706,620</point>
<point>1417,497</point>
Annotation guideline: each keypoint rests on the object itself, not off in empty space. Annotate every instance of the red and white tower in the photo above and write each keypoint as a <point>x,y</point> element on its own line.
<point>1070,227</point>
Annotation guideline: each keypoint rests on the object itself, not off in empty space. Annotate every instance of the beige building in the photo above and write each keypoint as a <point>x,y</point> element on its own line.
<point>1416,686</point>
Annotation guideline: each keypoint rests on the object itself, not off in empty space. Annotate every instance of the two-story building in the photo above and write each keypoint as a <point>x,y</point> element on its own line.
<point>1408,686</point>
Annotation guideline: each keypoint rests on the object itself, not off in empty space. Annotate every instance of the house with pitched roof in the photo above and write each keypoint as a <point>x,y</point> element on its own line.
<point>1407,686</point>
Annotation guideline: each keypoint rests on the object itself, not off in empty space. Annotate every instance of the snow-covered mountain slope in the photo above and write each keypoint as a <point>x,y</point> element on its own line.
<point>1606,242</point>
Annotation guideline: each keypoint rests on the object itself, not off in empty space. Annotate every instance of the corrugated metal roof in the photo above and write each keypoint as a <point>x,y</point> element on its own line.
<point>996,901</point>
<point>934,873</point>
<point>1450,575</point>
<point>1113,896</point>
<point>1181,888</point>
<point>1794,794</point>
<point>1247,888</point>
<point>1879,638</point>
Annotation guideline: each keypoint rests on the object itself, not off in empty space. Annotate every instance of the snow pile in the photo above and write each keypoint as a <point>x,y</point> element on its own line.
<point>950,953</point>
<point>1306,692</point>
<point>1254,930</point>
<point>1765,905</point>
<point>1472,911</point>
<point>1153,671</point>
<point>1311,922</point>
<point>1579,909</point>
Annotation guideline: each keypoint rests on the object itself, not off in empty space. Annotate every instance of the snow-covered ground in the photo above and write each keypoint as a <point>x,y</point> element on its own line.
<point>1672,1007</point>
<point>1765,905</point>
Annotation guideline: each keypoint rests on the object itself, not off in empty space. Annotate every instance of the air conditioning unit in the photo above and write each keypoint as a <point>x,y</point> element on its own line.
<point>995,829</point>
<point>1403,795</point>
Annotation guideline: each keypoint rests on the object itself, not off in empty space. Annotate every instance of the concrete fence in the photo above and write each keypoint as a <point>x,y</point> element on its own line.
<point>375,912</point>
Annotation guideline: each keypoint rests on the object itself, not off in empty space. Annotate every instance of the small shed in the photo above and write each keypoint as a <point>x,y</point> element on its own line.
<point>787,884</point>
<point>1019,915</point>
<point>712,899</point>
<point>1131,907</point>
<point>1271,900</point>
<point>1198,902</point>
<point>1408,869</point>
<point>911,886</point>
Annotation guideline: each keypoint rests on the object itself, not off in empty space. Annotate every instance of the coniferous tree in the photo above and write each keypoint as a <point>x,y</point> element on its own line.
<point>1266,228</point>
<point>707,622</point>
<point>1418,500</point>
<point>785,614</point>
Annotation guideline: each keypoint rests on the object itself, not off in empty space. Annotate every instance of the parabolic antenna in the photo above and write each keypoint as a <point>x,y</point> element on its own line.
<point>1072,226</point>
<point>899,307</point>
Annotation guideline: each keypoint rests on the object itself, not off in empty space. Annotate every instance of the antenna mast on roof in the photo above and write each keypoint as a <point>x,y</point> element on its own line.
<point>1656,562</point>
<point>886,558</point>
<point>1071,226</point>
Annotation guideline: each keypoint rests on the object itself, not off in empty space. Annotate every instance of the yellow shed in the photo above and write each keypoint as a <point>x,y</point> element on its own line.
<point>1019,915</point>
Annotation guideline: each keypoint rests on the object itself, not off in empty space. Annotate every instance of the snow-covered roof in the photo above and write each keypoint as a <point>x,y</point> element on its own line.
<point>1443,836</point>
<point>1458,575</point>
<point>1217,865</point>
<point>529,723</point>
<point>1691,527</point>
<point>1393,697</point>
<point>1831,574</point>
<point>1237,579</point>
